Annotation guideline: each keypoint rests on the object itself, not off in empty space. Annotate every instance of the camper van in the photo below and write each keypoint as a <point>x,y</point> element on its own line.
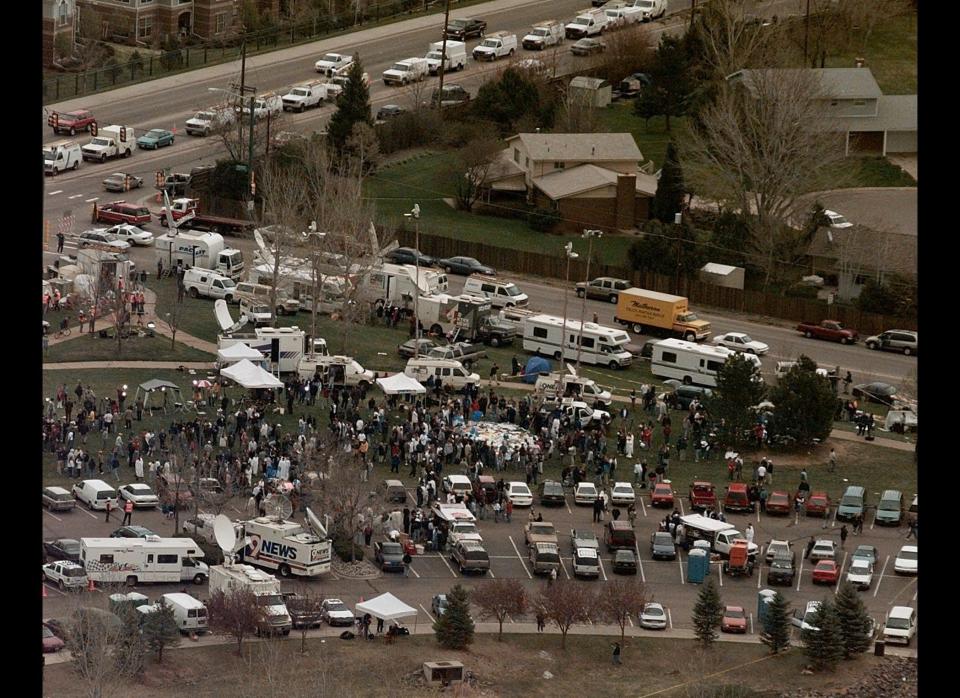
<point>138,560</point>
<point>190,613</point>
<point>694,364</point>
<point>502,293</point>
<point>606,346</point>
<point>451,373</point>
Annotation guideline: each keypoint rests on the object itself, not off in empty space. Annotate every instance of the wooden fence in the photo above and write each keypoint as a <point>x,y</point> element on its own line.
<point>701,295</point>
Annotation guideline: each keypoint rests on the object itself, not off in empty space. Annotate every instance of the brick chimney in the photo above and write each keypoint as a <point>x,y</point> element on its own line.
<point>625,206</point>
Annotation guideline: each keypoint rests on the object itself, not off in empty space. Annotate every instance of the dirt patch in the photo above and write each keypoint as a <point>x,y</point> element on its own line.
<point>519,666</point>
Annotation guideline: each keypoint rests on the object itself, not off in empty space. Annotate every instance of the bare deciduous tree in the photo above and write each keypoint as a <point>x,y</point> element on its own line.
<point>564,603</point>
<point>236,614</point>
<point>500,598</point>
<point>628,51</point>
<point>729,39</point>
<point>757,148</point>
<point>860,18</point>
<point>305,609</point>
<point>469,168</point>
<point>619,600</point>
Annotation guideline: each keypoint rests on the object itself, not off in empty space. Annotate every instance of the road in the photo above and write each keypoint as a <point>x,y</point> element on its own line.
<point>666,581</point>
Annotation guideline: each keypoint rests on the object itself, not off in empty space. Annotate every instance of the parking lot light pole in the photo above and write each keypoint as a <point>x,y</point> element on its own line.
<point>590,235</point>
<point>415,214</point>
<point>570,254</point>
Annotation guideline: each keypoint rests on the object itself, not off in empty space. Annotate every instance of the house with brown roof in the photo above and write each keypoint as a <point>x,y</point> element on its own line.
<point>847,257</point>
<point>592,179</point>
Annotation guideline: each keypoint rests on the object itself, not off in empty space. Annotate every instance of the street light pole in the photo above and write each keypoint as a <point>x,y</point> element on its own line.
<point>570,254</point>
<point>415,214</point>
<point>589,234</point>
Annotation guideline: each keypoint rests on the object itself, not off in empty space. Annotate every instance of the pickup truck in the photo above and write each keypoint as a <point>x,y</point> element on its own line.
<point>540,532</point>
<point>464,352</point>
<point>583,538</point>
<point>495,333</point>
<point>71,122</point>
<point>831,330</point>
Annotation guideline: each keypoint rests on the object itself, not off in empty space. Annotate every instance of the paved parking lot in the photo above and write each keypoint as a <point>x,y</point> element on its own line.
<point>666,581</point>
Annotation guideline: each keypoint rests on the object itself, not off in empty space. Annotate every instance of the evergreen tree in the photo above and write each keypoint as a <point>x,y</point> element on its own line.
<point>353,106</point>
<point>707,613</point>
<point>805,404</point>
<point>730,240</point>
<point>160,630</point>
<point>739,389</point>
<point>776,627</point>
<point>664,247</point>
<point>454,628</point>
<point>509,99</point>
<point>854,621</point>
<point>671,88</point>
<point>824,646</point>
<point>670,188</point>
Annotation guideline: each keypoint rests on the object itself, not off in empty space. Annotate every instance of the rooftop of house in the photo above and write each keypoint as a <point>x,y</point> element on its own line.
<point>595,147</point>
<point>837,83</point>
<point>894,113</point>
<point>864,248</point>
<point>560,184</point>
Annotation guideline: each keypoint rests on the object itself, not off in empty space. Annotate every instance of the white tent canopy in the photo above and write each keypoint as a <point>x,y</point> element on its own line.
<point>386,606</point>
<point>250,376</point>
<point>400,384</point>
<point>238,352</point>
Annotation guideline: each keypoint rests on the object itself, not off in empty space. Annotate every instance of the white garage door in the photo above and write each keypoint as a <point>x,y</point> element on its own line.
<point>901,141</point>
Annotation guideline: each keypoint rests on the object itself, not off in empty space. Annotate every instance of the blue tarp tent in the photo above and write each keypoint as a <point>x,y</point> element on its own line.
<point>535,366</point>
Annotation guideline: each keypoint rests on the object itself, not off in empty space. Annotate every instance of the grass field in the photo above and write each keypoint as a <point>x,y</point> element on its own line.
<point>338,668</point>
<point>92,348</point>
<point>891,54</point>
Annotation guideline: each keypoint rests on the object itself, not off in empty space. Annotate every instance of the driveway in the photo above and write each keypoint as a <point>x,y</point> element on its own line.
<point>887,209</point>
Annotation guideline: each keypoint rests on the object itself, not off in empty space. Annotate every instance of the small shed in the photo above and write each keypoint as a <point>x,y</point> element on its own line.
<point>592,92</point>
<point>722,275</point>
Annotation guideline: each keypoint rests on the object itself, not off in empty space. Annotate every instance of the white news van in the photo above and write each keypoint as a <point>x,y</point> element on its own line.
<point>341,370</point>
<point>451,373</point>
<point>396,284</point>
<point>285,546</point>
<point>568,385</point>
<point>230,578</point>
<point>606,346</point>
<point>206,250</point>
<point>190,613</point>
<point>456,56</point>
<point>291,344</point>
<point>694,364</point>
<point>65,155</point>
<point>502,293</point>
<point>139,560</point>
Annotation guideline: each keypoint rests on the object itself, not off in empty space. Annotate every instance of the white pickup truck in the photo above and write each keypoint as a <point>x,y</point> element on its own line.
<point>496,45</point>
<point>110,142</point>
<point>207,121</point>
<point>333,63</point>
<point>406,71</point>
<point>543,35</point>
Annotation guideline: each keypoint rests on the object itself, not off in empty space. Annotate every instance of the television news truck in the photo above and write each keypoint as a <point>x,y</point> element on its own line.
<point>285,546</point>
<point>140,560</point>
<point>228,578</point>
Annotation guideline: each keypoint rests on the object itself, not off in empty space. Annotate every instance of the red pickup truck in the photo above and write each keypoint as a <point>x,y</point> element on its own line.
<point>830,330</point>
<point>71,122</point>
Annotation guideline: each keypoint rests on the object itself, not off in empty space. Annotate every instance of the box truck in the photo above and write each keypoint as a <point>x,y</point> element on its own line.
<point>657,313</point>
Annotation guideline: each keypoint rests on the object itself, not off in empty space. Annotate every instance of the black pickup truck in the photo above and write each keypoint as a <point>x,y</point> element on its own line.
<point>464,352</point>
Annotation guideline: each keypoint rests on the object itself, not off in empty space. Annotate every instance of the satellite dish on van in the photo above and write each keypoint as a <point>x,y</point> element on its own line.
<point>225,535</point>
<point>278,505</point>
<point>315,524</point>
<point>571,370</point>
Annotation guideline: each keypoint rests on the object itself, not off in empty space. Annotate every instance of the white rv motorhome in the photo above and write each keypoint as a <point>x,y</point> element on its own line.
<point>606,346</point>
<point>139,560</point>
<point>691,363</point>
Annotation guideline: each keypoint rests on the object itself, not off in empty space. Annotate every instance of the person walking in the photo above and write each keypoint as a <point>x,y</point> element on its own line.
<point>109,508</point>
<point>616,653</point>
<point>406,564</point>
<point>912,533</point>
<point>127,513</point>
<point>541,621</point>
<point>848,379</point>
<point>553,576</point>
<point>833,460</point>
<point>509,509</point>
<point>810,544</point>
<point>494,374</point>
<point>749,533</point>
<point>843,536</point>
<point>597,509</point>
<point>61,238</point>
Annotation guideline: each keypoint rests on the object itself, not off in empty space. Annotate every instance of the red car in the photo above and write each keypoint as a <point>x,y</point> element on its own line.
<point>71,122</point>
<point>122,212</point>
<point>662,495</point>
<point>826,572</point>
<point>734,620</point>
<point>818,504</point>
<point>778,503</point>
<point>51,643</point>
<point>737,498</point>
<point>702,495</point>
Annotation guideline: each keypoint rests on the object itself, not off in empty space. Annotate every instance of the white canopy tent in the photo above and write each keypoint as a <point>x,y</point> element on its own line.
<point>386,606</point>
<point>250,376</point>
<point>400,384</point>
<point>239,352</point>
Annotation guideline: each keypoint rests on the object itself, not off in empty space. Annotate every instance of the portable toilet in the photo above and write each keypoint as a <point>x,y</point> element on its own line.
<point>698,565</point>
<point>136,599</point>
<point>764,599</point>
<point>117,602</point>
<point>702,545</point>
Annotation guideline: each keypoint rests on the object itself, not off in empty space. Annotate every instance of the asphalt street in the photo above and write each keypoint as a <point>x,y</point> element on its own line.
<point>666,581</point>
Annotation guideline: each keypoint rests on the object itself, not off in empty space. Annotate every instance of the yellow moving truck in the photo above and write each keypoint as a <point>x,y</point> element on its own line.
<point>650,312</point>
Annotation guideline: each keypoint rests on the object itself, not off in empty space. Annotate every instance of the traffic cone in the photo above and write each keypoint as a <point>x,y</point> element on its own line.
<point>44,591</point>
<point>90,585</point>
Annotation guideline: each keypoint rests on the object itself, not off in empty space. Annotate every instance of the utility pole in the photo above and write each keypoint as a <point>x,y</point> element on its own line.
<point>590,235</point>
<point>443,56</point>
<point>677,219</point>
<point>693,12</point>
<point>570,254</point>
<point>806,32</point>
<point>415,215</point>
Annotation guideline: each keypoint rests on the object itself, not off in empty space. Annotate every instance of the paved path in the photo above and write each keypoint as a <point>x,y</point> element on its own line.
<point>610,631</point>
<point>86,365</point>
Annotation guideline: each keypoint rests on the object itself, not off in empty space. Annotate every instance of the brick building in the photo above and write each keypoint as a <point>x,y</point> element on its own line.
<point>149,22</point>
<point>59,18</point>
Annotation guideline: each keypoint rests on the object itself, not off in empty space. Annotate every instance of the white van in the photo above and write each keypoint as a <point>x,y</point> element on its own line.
<point>209,284</point>
<point>256,312</point>
<point>691,363</point>
<point>263,293</point>
<point>449,372</point>
<point>190,613</point>
<point>342,370</point>
<point>95,494</point>
<point>502,293</point>
<point>58,157</point>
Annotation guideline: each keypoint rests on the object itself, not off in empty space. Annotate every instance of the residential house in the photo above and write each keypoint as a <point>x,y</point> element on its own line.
<point>59,19</point>
<point>149,22</point>
<point>592,179</point>
<point>874,123</point>
<point>847,257</point>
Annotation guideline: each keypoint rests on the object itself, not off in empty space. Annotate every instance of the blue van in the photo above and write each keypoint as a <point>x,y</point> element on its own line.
<point>852,504</point>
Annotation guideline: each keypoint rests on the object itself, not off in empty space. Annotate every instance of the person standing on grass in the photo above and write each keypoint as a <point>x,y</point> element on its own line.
<point>616,653</point>
<point>541,621</point>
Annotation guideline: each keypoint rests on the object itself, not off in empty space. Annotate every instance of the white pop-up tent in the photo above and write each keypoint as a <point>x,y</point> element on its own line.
<point>239,352</point>
<point>386,606</point>
<point>400,384</point>
<point>249,376</point>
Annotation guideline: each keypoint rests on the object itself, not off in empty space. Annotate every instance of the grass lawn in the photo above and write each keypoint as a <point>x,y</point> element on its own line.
<point>891,54</point>
<point>652,137</point>
<point>92,348</point>
<point>514,667</point>
<point>871,171</point>
<point>395,189</point>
